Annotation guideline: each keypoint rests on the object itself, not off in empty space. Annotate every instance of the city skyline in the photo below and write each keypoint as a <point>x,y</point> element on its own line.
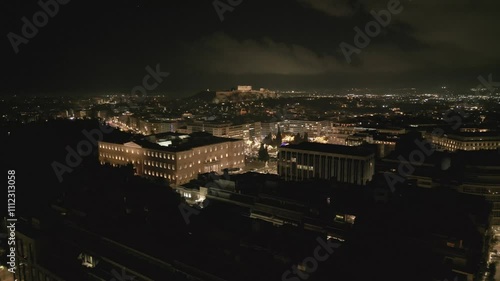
<point>238,140</point>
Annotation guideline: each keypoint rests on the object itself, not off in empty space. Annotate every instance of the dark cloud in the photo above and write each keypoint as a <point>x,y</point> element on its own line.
<point>106,46</point>
<point>336,8</point>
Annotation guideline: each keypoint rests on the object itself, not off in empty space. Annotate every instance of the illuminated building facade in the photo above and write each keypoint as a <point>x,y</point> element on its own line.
<point>347,164</point>
<point>466,141</point>
<point>246,131</point>
<point>175,157</point>
<point>312,128</point>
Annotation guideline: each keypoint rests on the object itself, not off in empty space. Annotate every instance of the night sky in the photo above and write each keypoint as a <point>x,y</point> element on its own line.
<point>95,47</point>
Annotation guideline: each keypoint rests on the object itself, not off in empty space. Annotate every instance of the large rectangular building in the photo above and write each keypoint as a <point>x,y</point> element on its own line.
<point>177,158</point>
<point>246,131</point>
<point>347,164</point>
<point>465,141</point>
<point>314,129</point>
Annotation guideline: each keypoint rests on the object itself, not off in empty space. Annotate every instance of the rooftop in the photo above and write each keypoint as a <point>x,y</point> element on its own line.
<point>331,148</point>
<point>175,142</point>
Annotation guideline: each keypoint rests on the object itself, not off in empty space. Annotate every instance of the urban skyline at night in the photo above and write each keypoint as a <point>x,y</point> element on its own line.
<point>235,140</point>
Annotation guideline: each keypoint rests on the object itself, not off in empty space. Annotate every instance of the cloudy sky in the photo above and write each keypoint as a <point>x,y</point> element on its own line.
<point>94,47</point>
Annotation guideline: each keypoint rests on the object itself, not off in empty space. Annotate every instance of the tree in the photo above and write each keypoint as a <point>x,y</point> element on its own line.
<point>306,137</point>
<point>263,153</point>
<point>297,139</point>
<point>279,138</point>
<point>268,139</point>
